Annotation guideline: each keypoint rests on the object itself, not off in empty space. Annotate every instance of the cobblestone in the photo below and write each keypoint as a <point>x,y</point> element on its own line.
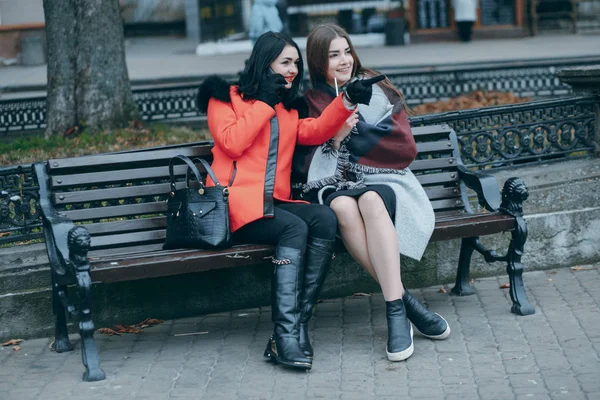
<point>491,354</point>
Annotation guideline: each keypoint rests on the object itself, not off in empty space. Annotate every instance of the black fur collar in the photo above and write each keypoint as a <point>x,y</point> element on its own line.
<point>216,87</point>
<point>213,86</point>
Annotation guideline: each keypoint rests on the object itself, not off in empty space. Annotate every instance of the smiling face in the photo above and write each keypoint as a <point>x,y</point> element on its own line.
<point>340,62</point>
<point>286,64</point>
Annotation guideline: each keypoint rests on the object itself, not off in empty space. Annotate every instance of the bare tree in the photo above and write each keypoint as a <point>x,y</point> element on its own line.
<point>88,83</point>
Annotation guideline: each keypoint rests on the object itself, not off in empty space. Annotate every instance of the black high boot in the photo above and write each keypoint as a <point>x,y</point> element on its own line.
<point>283,347</point>
<point>319,253</point>
<point>400,332</point>
<point>429,323</point>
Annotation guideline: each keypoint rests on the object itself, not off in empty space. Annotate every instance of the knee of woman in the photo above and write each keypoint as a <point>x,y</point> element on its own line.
<point>343,205</point>
<point>326,223</point>
<point>371,203</point>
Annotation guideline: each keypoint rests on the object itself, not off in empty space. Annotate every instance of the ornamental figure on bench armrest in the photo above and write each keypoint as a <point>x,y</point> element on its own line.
<point>79,243</point>
<point>514,193</point>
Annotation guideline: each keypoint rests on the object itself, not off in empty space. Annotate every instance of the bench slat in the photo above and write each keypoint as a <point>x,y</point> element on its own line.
<point>431,147</point>
<point>435,193</point>
<point>128,225</point>
<point>128,210</point>
<point>447,204</point>
<point>126,158</point>
<point>438,178</point>
<point>433,163</point>
<point>448,215</point>
<point>114,193</point>
<point>123,252</point>
<point>60,181</point>
<point>473,225</point>
<point>126,238</point>
<point>153,265</point>
<point>430,130</point>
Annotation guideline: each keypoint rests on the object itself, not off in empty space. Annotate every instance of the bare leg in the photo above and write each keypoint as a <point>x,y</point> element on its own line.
<point>352,229</point>
<point>382,244</point>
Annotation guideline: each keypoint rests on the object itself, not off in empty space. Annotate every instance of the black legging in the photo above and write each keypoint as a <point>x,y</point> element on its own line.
<point>291,226</point>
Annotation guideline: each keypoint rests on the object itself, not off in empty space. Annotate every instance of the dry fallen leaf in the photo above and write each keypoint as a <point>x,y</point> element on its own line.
<point>12,342</point>
<point>552,272</point>
<point>442,290</point>
<point>108,332</point>
<point>125,329</point>
<point>582,268</point>
<point>505,286</point>
<point>149,322</point>
<point>360,294</point>
<point>16,348</point>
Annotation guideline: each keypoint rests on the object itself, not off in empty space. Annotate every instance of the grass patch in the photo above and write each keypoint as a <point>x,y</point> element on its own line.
<point>37,148</point>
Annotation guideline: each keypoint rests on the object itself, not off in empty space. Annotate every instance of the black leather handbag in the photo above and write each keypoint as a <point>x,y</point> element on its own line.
<point>197,218</point>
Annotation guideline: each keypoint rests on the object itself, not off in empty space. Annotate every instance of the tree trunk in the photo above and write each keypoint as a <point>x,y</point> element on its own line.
<point>88,83</point>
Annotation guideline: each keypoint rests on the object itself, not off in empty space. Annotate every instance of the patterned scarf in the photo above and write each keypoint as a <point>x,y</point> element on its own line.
<point>381,142</point>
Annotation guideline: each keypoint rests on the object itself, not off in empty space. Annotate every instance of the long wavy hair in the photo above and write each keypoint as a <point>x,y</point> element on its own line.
<point>266,50</point>
<point>317,55</point>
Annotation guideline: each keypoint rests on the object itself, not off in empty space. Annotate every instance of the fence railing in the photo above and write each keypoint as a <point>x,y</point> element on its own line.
<point>420,85</point>
<point>526,133</point>
<point>489,138</point>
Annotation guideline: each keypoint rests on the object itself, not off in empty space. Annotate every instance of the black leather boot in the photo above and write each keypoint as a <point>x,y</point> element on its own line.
<point>283,347</point>
<point>400,333</point>
<point>432,325</point>
<point>319,253</point>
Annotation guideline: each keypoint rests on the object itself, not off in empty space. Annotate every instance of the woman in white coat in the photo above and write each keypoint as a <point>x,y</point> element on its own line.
<point>465,14</point>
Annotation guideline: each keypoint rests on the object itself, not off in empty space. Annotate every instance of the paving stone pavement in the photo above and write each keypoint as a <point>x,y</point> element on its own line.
<point>491,354</point>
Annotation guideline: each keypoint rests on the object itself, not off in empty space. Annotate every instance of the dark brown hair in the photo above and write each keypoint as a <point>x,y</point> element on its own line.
<point>317,54</point>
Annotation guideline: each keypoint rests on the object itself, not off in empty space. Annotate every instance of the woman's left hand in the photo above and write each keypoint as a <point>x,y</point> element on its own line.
<point>345,129</point>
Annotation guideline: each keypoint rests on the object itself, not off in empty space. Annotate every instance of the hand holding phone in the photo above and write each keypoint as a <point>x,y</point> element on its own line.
<point>360,90</point>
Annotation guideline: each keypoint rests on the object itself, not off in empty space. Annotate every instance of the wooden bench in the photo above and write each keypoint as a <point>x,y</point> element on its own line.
<point>120,199</point>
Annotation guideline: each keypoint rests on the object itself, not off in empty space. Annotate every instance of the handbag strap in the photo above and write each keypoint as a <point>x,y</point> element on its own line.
<point>208,169</point>
<point>192,167</point>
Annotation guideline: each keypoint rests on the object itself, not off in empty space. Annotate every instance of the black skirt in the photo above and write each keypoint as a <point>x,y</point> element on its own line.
<point>384,191</point>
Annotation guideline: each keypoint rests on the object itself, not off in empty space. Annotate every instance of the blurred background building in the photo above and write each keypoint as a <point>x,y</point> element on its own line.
<point>22,21</point>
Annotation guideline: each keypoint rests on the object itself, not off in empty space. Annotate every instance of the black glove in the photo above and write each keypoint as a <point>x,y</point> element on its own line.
<point>268,92</point>
<point>360,90</point>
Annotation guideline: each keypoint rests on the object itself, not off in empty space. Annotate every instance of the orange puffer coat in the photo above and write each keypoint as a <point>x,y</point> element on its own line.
<point>261,150</point>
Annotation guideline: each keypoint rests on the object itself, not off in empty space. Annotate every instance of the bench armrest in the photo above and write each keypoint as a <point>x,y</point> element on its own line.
<point>56,226</point>
<point>484,185</point>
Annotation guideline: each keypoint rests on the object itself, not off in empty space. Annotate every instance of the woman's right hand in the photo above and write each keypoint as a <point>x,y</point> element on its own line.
<point>269,90</point>
<point>345,129</point>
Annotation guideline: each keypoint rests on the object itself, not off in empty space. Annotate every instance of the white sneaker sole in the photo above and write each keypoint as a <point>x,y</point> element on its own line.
<point>441,336</point>
<point>404,354</point>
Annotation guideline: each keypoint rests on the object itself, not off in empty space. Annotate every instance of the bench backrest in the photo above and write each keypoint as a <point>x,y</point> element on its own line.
<point>121,197</point>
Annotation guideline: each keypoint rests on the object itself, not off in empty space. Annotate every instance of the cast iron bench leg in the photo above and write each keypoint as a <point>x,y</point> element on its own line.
<point>61,334</point>
<point>462,286</point>
<point>79,242</point>
<point>514,268</point>
<point>89,352</point>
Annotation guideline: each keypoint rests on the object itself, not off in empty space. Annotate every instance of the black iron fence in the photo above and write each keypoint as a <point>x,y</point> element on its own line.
<point>534,132</point>
<point>19,215</point>
<point>490,138</point>
<point>419,84</point>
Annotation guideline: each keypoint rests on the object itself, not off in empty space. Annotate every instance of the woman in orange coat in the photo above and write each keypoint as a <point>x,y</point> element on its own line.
<point>255,129</point>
